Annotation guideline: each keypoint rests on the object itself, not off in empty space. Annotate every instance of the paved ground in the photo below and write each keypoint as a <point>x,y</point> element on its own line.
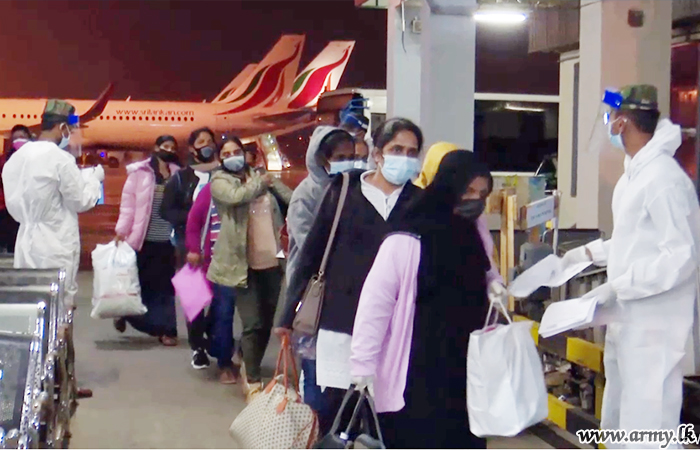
<point>148,396</point>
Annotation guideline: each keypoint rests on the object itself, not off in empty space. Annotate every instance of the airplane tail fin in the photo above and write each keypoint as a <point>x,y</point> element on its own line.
<point>323,74</point>
<point>271,80</point>
<point>235,83</point>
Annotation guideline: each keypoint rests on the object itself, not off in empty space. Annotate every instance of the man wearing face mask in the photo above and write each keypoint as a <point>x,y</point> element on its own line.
<point>45,191</point>
<point>652,265</point>
<point>9,227</point>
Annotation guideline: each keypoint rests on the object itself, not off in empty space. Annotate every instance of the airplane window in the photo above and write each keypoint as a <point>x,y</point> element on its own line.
<point>35,116</point>
<point>21,116</point>
<point>179,119</point>
<point>191,119</point>
<point>160,118</point>
<point>121,117</point>
<point>14,116</point>
<point>147,118</point>
<point>140,118</point>
<point>133,118</point>
<point>127,117</point>
<point>153,119</point>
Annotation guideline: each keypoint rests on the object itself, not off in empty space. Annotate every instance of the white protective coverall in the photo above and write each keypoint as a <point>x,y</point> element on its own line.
<point>44,191</point>
<point>652,264</point>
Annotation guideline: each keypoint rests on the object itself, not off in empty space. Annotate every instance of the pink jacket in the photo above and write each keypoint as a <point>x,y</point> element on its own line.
<point>483,228</point>
<point>383,330</point>
<point>196,220</point>
<point>137,202</point>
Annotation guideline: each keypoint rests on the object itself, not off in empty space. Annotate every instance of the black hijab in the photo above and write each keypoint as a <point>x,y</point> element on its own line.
<point>453,259</point>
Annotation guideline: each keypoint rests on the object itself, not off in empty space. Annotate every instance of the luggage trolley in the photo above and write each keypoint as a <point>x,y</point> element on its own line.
<point>45,286</point>
<point>23,402</point>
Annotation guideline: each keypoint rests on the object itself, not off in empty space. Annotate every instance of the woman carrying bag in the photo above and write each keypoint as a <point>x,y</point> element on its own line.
<point>423,296</point>
<point>142,227</point>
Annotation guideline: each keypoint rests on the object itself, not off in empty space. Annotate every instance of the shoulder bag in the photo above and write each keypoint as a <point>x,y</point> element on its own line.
<point>309,309</point>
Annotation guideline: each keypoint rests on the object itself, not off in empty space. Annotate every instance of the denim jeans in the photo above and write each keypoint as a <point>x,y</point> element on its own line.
<point>222,308</point>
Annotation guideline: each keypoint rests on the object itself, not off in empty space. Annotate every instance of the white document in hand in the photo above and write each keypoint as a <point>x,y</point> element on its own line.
<point>549,272</point>
<point>566,315</point>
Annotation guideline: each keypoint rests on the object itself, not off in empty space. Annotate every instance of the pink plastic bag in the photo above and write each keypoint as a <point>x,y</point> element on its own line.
<point>193,289</point>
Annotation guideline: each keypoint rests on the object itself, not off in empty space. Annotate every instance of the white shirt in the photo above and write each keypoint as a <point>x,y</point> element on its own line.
<point>333,348</point>
<point>203,180</point>
<point>383,203</point>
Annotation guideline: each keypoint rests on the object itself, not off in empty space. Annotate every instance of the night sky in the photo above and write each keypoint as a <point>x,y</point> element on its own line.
<point>189,50</point>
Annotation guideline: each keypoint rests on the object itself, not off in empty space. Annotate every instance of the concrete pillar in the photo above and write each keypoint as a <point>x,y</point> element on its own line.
<point>448,56</point>
<point>614,54</point>
<point>403,69</point>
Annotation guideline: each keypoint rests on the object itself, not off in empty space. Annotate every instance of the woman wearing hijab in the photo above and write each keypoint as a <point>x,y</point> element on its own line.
<point>425,293</point>
<point>430,167</point>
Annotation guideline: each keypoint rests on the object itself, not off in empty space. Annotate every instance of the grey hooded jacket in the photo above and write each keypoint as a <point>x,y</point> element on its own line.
<point>306,198</point>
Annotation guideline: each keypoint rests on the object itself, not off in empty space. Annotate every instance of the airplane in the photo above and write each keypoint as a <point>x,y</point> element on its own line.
<point>244,107</point>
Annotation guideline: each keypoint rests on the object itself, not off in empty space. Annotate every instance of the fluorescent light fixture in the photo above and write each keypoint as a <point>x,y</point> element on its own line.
<point>500,17</point>
<point>523,108</point>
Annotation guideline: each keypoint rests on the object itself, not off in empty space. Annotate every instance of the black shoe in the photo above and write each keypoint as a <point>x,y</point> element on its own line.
<point>200,360</point>
<point>120,325</point>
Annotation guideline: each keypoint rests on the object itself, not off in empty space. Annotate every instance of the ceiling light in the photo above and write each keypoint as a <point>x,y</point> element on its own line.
<point>504,17</point>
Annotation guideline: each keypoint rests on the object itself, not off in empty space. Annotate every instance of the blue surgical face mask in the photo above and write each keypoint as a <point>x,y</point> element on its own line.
<point>399,169</point>
<point>615,139</point>
<point>234,163</point>
<point>360,164</point>
<point>65,140</point>
<point>341,166</point>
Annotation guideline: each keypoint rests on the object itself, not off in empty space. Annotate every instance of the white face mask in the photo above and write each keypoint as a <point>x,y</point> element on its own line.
<point>341,166</point>
<point>65,140</point>
<point>234,163</point>
<point>360,164</point>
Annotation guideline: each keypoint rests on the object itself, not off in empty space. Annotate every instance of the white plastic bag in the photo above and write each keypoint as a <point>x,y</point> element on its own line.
<point>506,391</point>
<point>116,291</point>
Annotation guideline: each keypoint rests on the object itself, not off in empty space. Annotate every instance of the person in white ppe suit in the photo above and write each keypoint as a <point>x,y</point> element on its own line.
<point>652,265</point>
<point>45,191</point>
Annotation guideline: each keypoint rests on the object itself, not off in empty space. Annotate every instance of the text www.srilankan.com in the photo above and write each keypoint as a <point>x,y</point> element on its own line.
<point>684,435</point>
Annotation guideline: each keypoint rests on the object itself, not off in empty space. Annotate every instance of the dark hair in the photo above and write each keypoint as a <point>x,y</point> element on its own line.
<point>332,140</point>
<point>390,128</point>
<point>195,134</point>
<point>645,120</point>
<point>165,138</point>
<point>231,138</point>
<point>23,128</point>
<point>49,121</point>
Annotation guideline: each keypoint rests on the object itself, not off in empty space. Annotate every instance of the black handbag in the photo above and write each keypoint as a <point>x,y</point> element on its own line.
<point>342,440</point>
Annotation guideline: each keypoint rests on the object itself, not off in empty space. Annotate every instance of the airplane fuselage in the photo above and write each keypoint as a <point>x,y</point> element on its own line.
<point>125,125</point>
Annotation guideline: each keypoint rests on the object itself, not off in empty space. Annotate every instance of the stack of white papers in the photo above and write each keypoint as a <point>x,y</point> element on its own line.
<point>566,315</point>
<point>549,272</point>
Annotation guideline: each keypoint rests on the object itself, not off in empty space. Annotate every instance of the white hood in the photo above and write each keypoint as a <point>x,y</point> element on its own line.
<point>666,140</point>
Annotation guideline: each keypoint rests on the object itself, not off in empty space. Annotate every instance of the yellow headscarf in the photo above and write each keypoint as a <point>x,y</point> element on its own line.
<point>432,162</point>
